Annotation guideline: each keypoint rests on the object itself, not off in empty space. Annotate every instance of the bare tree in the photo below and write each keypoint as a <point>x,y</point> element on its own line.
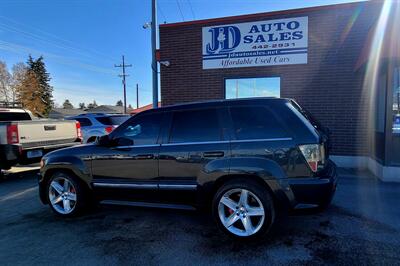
<point>19,73</point>
<point>5,81</point>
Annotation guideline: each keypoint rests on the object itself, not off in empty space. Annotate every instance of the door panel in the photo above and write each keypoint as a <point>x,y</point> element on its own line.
<point>190,165</point>
<point>193,148</point>
<point>128,167</point>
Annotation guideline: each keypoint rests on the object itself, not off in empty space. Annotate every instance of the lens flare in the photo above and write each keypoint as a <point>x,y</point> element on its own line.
<point>373,99</point>
<point>350,24</point>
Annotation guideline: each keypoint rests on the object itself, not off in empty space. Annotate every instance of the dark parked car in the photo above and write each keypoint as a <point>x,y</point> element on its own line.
<point>243,158</point>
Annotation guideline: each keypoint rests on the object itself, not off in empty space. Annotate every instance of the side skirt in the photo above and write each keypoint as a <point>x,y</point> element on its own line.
<point>148,204</point>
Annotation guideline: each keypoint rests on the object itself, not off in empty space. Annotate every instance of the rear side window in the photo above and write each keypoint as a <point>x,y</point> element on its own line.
<point>255,122</point>
<point>8,116</point>
<point>84,122</point>
<point>195,126</point>
<point>112,120</point>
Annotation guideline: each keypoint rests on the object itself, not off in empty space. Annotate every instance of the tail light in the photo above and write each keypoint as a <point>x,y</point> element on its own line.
<point>12,134</point>
<point>314,155</point>
<point>109,129</point>
<point>78,130</point>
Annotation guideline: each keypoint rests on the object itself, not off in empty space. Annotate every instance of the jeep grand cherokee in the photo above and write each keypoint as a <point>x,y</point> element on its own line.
<point>243,158</point>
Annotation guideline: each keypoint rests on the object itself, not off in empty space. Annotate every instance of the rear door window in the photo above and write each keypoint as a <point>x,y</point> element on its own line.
<point>195,126</point>
<point>256,122</point>
<point>84,122</point>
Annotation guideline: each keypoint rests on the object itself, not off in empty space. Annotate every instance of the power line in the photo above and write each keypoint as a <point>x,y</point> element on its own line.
<point>54,39</point>
<point>180,10</point>
<point>162,13</point>
<point>123,75</point>
<point>191,9</point>
<point>43,40</point>
<point>23,50</point>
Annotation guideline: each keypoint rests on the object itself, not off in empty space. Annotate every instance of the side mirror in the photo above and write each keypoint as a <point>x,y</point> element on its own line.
<point>103,141</point>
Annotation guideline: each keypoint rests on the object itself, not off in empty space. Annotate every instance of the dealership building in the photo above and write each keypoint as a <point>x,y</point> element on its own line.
<point>340,62</point>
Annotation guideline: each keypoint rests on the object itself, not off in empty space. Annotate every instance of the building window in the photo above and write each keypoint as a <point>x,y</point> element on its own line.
<point>396,101</point>
<point>252,87</point>
<point>380,103</point>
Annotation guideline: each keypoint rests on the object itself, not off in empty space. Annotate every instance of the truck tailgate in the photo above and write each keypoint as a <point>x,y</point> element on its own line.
<point>41,133</point>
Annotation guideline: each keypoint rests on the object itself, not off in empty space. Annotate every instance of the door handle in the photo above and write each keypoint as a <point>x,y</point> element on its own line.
<point>144,156</point>
<point>213,154</point>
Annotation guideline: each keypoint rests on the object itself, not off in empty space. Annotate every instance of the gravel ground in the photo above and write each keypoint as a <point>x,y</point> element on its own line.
<point>362,226</point>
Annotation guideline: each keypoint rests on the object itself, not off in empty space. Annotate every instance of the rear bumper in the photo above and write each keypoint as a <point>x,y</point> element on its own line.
<point>315,191</point>
<point>11,155</point>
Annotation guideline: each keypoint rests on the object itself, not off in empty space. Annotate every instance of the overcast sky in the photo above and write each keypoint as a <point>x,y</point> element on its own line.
<point>81,40</point>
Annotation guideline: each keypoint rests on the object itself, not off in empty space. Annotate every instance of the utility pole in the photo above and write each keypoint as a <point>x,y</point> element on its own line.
<point>154,65</point>
<point>137,95</point>
<point>123,79</point>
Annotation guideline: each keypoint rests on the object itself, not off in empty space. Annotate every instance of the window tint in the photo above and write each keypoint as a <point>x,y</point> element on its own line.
<point>112,120</point>
<point>84,122</point>
<point>255,122</point>
<point>8,116</point>
<point>141,130</point>
<point>195,126</point>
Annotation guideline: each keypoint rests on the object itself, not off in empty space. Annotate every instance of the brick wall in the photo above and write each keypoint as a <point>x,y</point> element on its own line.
<point>329,85</point>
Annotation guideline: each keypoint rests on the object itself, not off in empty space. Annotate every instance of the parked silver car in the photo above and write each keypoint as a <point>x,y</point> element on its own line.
<point>99,124</point>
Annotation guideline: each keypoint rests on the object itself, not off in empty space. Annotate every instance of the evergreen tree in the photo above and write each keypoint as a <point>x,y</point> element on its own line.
<point>28,93</point>
<point>119,103</point>
<point>92,105</point>
<point>44,90</point>
<point>67,104</point>
<point>82,106</point>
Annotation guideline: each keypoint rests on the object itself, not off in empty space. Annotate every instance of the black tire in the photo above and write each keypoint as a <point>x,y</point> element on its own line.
<point>81,192</point>
<point>259,191</point>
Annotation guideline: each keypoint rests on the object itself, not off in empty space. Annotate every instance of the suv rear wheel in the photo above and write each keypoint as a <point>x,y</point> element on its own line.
<point>243,209</point>
<point>66,194</point>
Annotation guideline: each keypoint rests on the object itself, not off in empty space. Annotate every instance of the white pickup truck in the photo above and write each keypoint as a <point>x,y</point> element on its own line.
<point>25,139</point>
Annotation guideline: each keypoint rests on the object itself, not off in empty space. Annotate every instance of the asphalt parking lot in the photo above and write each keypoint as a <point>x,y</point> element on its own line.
<point>362,226</point>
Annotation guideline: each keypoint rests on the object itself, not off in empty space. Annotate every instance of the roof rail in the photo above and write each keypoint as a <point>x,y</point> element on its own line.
<point>5,104</point>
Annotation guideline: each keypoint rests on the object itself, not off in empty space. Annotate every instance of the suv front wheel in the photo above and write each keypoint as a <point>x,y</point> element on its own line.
<point>243,209</point>
<point>66,194</point>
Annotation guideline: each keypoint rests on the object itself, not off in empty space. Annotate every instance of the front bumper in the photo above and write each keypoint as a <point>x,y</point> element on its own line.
<point>315,191</point>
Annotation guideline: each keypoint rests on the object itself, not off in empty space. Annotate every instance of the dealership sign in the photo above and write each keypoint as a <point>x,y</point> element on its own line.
<point>261,43</point>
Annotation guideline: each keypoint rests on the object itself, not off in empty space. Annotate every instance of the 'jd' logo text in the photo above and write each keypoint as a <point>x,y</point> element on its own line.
<point>223,39</point>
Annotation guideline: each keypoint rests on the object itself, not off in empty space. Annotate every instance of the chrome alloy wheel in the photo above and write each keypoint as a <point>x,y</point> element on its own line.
<point>62,195</point>
<point>241,212</point>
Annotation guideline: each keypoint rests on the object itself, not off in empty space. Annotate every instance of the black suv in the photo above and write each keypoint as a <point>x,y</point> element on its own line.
<point>243,158</point>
